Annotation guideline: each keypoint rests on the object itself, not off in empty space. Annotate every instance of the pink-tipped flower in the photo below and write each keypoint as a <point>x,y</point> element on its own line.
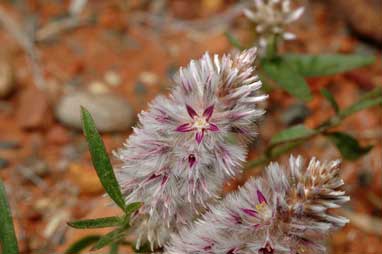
<point>285,212</point>
<point>271,18</point>
<point>188,143</point>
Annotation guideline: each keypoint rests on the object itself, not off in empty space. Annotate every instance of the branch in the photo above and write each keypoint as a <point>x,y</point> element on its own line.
<point>275,150</point>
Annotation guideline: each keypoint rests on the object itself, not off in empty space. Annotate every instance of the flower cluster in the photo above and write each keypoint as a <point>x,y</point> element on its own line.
<point>187,144</point>
<point>271,17</point>
<point>286,212</point>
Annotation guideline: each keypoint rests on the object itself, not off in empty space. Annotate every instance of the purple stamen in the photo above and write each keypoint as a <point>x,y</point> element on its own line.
<point>213,127</point>
<point>261,197</point>
<point>208,112</point>
<point>191,111</point>
<point>199,136</point>
<point>186,127</point>
<point>191,160</point>
<point>249,212</point>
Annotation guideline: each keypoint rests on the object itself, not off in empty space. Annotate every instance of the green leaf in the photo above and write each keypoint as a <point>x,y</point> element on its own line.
<point>291,134</point>
<point>114,248</point>
<point>97,223</point>
<point>109,238</point>
<point>330,98</point>
<point>347,145</point>
<point>287,78</point>
<point>132,207</point>
<point>323,65</point>
<point>82,244</point>
<point>101,160</point>
<point>361,105</point>
<point>8,240</point>
<point>233,40</point>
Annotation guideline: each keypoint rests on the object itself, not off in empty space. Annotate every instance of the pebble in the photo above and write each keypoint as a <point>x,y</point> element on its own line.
<point>148,78</point>
<point>7,83</point>
<point>110,112</point>
<point>98,87</point>
<point>112,78</point>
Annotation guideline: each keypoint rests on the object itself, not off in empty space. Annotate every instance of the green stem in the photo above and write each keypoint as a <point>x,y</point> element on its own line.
<point>272,48</point>
<point>274,151</point>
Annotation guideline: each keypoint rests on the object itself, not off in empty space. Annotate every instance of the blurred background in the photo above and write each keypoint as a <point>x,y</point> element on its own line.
<point>115,56</point>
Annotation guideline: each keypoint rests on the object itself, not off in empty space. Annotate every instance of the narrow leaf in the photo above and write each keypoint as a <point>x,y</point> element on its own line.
<point>233,40</point>
<point>96,223</point>
<point>131,208</point>
<point>287,78</point>
<point>82,244</point>
<point>101,160</point>
<point>361,105</point>
<point>8,240</point>
<point>347,145</point>
<point>114,248</point>
<point>291,134</point>
<point>109,238</point>
<point>330,98</point>
<point>323,65</point>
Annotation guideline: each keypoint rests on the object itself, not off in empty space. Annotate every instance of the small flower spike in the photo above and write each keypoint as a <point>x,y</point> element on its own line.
<point>187,144</point>
<point>271,18</point>
<point>285,212</point>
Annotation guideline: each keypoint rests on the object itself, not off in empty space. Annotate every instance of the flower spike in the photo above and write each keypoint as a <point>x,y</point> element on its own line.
<point>179,156</point>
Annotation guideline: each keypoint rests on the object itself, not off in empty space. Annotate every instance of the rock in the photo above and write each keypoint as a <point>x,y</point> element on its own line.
<point>98,87</point>
<point>7,83</point>
<point>148,78</point>
<point>86,179</point>
<point>110,112</point>
<point>112,78</point>
<point>34,110</point>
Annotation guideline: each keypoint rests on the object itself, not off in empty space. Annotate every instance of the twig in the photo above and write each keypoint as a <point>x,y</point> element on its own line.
<point>217,21</point>
<point>27,44</point>
<point>58,27</point>
<point>275,150</point>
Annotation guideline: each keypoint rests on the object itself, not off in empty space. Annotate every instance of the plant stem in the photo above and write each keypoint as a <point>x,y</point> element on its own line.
<point>274,151</point>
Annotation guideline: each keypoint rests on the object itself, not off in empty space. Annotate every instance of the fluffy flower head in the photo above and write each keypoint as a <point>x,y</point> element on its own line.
<point>285,212</point>
<point>271,18</point>
<point>188,143</point>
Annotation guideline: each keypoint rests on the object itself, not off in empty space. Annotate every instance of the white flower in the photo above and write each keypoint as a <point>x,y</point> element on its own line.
<point>271,18</point>
<point>286,212</point>
<point>188,143</point>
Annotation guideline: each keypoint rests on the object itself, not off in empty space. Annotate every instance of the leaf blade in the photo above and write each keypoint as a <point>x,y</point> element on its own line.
<point>361,105</point>
<point>325,65</point>
<point>347,145</point>
<point>82,244</point>
<point>8,238</point>
<point>291,134</point>
<point>101,160</point>
<point>233,40</point>
<point>287,78</point>
<point>96,223</point>
<point>109,238</point>
<point>330,98</point>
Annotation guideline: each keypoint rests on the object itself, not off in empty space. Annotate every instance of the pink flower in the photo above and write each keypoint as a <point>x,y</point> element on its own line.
<point>286,212</point>
<point>187,144</point>
<point>198,124</point>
